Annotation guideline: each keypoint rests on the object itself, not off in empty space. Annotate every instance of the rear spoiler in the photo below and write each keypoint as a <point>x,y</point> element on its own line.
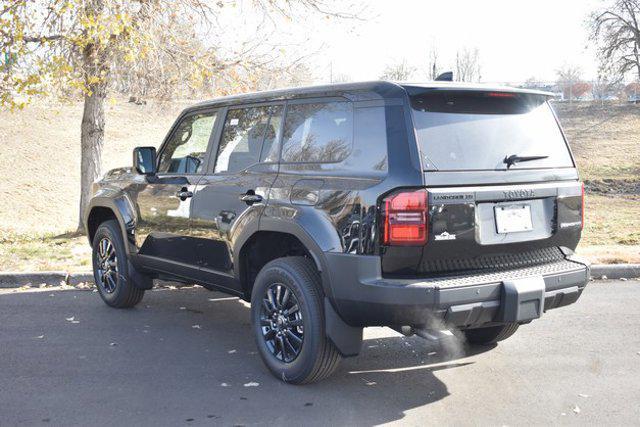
<point>453,87</point>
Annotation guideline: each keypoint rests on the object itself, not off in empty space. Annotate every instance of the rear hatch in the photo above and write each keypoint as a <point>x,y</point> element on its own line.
<point>501,188</point>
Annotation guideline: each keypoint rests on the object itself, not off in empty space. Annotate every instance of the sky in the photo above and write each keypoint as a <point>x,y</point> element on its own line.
<point>516,39</point>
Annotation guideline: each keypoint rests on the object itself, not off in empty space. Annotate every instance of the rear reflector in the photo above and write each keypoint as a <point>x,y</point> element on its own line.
<point>405,218</point>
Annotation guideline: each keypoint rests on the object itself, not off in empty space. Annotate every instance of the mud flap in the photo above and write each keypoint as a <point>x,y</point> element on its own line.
<point>138,279</point>
<point>347,339</point>
<point>522,299</point>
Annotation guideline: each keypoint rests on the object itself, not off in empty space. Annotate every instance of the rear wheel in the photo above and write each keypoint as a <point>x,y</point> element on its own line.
<point>287,314</point>
<point>490,335</point>
<point>112,273</point>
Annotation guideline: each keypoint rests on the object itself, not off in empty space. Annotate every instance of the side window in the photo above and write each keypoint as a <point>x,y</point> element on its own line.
<point>271,147</point>
<point>244,131</point>
<point>186,149</point>
<point>318,132</point>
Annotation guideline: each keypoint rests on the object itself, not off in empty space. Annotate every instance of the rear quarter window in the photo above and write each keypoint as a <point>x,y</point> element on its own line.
<point>317,132</point>
<point>459,130</point>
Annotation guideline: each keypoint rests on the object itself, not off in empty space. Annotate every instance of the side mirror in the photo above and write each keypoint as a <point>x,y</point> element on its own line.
<point>144,160</point>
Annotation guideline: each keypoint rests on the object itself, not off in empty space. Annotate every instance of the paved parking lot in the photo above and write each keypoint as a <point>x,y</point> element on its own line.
<point>186,357</point>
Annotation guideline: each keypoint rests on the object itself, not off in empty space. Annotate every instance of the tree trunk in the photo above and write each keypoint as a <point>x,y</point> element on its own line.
<point>91,142</point>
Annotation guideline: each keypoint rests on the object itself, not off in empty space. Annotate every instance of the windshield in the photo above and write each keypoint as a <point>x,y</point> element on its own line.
<point>459,130</point>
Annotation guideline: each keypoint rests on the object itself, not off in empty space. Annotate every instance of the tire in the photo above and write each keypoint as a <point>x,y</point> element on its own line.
<point>490,335</point>
<point>118,289</point>
<point>317,357</point>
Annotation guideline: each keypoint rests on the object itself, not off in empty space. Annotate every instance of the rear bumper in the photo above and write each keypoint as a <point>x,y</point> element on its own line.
<point>363,298</point>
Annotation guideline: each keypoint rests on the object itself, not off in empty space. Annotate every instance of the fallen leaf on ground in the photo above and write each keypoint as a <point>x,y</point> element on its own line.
<point>113,344</point>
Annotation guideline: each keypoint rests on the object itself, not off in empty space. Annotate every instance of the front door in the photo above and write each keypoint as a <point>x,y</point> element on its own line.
<point>233,194</point>
<point>165,201</point>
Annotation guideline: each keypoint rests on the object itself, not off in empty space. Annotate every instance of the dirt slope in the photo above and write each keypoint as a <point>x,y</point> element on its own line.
<point>40,162</point>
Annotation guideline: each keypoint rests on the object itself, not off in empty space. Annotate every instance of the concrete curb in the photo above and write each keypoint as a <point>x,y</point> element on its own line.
<point>615,271</point>
<point>50,278</point>
<point>55,278</point>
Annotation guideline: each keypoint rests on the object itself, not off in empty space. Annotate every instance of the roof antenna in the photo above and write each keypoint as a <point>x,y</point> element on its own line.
<point>445,77</point>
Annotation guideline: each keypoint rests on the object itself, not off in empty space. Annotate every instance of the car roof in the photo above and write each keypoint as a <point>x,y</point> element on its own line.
<point>358,91</point>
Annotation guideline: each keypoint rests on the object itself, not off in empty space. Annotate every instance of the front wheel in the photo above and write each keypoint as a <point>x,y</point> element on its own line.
<point>111,270</point>
<point>490,335</point>
<point>287,314</point>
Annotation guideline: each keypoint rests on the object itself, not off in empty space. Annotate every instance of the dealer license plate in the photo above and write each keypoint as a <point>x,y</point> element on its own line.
<point>513,218</point>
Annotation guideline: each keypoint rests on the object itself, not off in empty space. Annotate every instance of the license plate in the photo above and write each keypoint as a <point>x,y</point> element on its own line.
<point>513,218</point>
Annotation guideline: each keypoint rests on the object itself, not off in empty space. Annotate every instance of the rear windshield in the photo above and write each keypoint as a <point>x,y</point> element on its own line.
<point>459,130</point>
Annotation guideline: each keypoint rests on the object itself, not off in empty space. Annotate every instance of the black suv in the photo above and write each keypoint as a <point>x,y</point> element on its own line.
<point>426,208</point>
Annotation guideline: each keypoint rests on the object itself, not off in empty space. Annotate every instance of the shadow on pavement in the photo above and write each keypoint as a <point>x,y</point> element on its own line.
<point>188,356</point>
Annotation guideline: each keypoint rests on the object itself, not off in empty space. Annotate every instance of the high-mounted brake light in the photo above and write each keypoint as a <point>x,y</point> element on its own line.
<point>406,218</point>
<point>582,208</point>
<point>501,95</point>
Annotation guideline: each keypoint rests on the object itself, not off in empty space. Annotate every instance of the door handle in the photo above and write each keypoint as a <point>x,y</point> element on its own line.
<point>251,198</point>
<point>184,194</point>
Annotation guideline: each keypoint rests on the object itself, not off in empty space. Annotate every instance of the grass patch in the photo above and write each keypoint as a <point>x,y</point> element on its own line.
<point>69,252</point>
<point>611,220</point>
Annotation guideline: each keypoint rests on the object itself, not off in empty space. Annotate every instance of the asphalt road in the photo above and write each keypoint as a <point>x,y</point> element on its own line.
<point>186,357</point>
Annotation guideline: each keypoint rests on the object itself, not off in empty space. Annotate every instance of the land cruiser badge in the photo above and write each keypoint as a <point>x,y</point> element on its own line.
<point>445,236</point>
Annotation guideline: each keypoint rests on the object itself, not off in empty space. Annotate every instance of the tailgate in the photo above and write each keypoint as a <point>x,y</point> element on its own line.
<point>493,227</point>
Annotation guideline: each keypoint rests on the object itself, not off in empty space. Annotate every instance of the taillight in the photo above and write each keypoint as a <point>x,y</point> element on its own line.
<point>406,218</point>
<point>582,208</point>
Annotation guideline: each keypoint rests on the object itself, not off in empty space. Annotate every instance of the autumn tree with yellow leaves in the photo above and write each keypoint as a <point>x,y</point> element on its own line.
<point>85,46</point>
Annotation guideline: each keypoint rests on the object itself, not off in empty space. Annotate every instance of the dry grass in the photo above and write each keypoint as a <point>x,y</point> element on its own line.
<point>40,170</point>
<point>604,139</point>
<point>67,252</point>
<point>40,159</point>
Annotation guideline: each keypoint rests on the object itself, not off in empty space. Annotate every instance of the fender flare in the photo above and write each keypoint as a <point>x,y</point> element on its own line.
<point>315,249</point>
<point>346,338</point>
<point>123,210</point>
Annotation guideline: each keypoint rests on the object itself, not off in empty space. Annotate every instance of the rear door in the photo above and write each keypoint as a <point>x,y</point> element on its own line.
<point>503,191</point>
<point>232,195</point>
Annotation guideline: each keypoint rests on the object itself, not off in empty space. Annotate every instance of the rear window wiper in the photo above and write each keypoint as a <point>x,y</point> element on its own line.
<point>514,158</point>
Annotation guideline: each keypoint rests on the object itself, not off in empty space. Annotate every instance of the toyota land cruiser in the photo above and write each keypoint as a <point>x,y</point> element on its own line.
<point>333,208</point>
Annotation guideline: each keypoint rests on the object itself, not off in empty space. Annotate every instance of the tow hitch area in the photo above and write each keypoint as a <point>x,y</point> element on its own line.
<point>523,299</point>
